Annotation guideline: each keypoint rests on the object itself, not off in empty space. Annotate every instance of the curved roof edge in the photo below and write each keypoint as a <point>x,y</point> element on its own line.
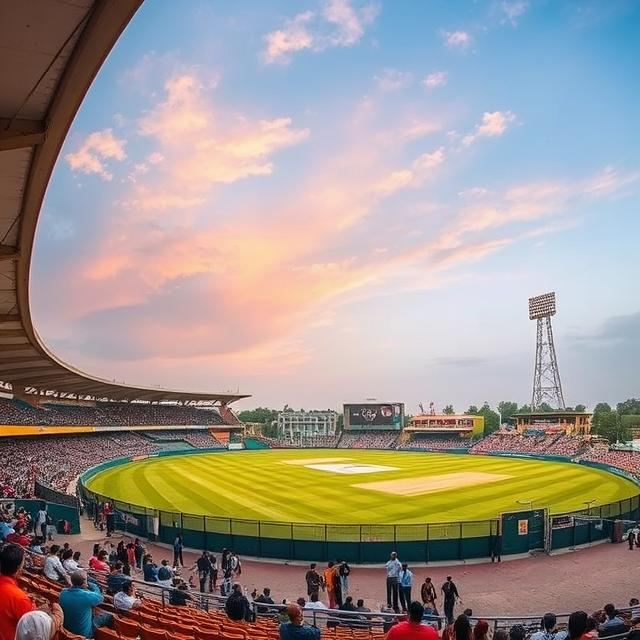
<point>53,51</point>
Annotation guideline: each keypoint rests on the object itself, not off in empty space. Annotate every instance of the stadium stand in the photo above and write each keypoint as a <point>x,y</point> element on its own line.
<point>368,440</point>
<point>435,444</point>
<point>553,444</point>
<point>108,414</point>
<point>179,612</point>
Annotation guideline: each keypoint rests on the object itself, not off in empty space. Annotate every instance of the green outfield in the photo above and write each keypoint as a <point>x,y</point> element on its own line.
<point>356,486</point>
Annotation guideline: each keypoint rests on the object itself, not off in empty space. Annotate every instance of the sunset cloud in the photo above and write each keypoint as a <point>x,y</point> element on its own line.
<point>435,79</point>
<point>93,154</point>
<point>493,124</point>
<point>458,40</point>
<point>337,23</point>
<point>393,79</point>
<point>512,10</point>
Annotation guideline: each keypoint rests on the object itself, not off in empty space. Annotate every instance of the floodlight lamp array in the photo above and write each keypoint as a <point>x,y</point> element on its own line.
<point>542,306</point>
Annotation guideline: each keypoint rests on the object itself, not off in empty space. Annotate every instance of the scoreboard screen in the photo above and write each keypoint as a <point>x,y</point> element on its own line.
<point>382,416</point>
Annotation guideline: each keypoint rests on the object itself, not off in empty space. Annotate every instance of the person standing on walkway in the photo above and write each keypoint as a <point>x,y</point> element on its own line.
<point>393,568</point>
<point>405,580</point>
<point>313,580</point>
<point>329,576</point>
<point>177,552</point>
<point>450,592</point>
<point>631,539</point>
<point>138,552</point>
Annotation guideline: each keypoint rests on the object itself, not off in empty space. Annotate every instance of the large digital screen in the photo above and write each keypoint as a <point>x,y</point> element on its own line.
<point>389,415</point>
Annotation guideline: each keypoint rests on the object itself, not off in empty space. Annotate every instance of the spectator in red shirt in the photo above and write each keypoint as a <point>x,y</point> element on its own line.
<point>413,629</point>
<point>19,537</point>
<point>15,602</point>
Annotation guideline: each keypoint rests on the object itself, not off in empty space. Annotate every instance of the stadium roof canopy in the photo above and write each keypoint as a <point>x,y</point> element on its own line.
<point>51,52</point>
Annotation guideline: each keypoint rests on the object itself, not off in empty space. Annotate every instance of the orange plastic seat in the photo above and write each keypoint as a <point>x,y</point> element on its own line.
<point>152,633</point>
<point>104,633</point>
<point>63,634</point>
<point>126,628</point>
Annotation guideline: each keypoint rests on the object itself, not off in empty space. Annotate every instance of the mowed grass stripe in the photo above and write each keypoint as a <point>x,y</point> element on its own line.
<point>258,485</point>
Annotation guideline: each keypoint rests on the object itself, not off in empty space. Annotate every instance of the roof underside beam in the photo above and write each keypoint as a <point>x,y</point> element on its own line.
<point>18,133</point>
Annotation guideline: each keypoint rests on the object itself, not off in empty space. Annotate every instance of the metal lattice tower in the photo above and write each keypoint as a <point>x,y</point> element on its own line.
<point>546,378</point>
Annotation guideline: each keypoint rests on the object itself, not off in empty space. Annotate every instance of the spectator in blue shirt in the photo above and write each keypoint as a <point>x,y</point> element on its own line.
<point>296,629</point>
<point>405,582</point>
<point>149,569</point>
<point>77,604</point>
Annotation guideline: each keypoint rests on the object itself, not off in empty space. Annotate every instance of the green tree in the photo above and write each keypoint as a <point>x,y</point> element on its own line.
<point>601,407</point>
<point>340,423</point>
<point>580,408</point>
<point>630,407</point>
<point>491,419</point>
<point>448,410</point>
<point>472,411</point>
<point>525,408</point>
<point>507,409</point>
<point>609,425</point>
<point>263,416</point>
<point>545,408</point>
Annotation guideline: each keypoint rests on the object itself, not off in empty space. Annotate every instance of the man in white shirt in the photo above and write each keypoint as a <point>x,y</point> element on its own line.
<point>41,521</point>
<point>313,603</point>
<point>125,600</point>
<point>53,568</point>
<point>393,567</point>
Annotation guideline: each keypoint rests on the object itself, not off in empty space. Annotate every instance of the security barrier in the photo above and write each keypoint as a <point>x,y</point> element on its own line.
<point>371,543</point>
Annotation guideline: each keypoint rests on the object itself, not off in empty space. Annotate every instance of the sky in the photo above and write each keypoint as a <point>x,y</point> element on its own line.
<point>324,201</point>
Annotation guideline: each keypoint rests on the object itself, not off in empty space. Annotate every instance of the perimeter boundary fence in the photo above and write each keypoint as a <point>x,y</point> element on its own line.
<point>369,543</point>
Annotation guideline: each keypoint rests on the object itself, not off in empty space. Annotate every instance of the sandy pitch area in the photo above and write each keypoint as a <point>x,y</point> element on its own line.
<point>431,484</point>
<point>301,462</point>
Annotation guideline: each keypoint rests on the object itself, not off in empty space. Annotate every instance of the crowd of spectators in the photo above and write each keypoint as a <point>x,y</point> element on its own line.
<point>368,439</point>
<point>48,588</point>
<point>435,444</point>
<point>626,460</point>
<point>125,414</point>
<point>510,442</point>
<point>200,438</point>
<point>58,460</point>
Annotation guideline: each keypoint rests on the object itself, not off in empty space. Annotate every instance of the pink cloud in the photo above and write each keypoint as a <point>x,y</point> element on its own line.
<point>494,124</point>
<point>459,40</point>
<point>92,155</point>
<point>338,23</point>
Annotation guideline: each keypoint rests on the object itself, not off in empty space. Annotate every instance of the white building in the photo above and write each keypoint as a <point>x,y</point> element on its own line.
<point>293,425</point>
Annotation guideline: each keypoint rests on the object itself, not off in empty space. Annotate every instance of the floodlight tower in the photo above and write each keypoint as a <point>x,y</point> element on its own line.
<point>546,378</point>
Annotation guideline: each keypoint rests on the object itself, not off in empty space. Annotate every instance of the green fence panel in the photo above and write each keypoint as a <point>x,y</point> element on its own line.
<point>276,548</point>
<point>443,531</point>
<point>408,551</point>
<point>310,532</point>
<point>562,538</point>
<point>245,528</point>
<point>170,519</point>
<point>343,533</point>
<point>245,545</point>
<point>380,532</point>
<point>378,552</point>
<point>194,539</point>
<point>343,551</point>
<point>581,534</point>
<point>439,550</point>
<point>477,547</point>
<point>309,550</point>
<point>195,523</point>
<point>55,511</point>
<point>411,533</point>
<point>217,525</point>
<point>279,530</point>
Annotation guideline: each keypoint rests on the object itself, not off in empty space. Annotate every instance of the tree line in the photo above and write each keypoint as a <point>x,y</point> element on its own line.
<point>613,424</point>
